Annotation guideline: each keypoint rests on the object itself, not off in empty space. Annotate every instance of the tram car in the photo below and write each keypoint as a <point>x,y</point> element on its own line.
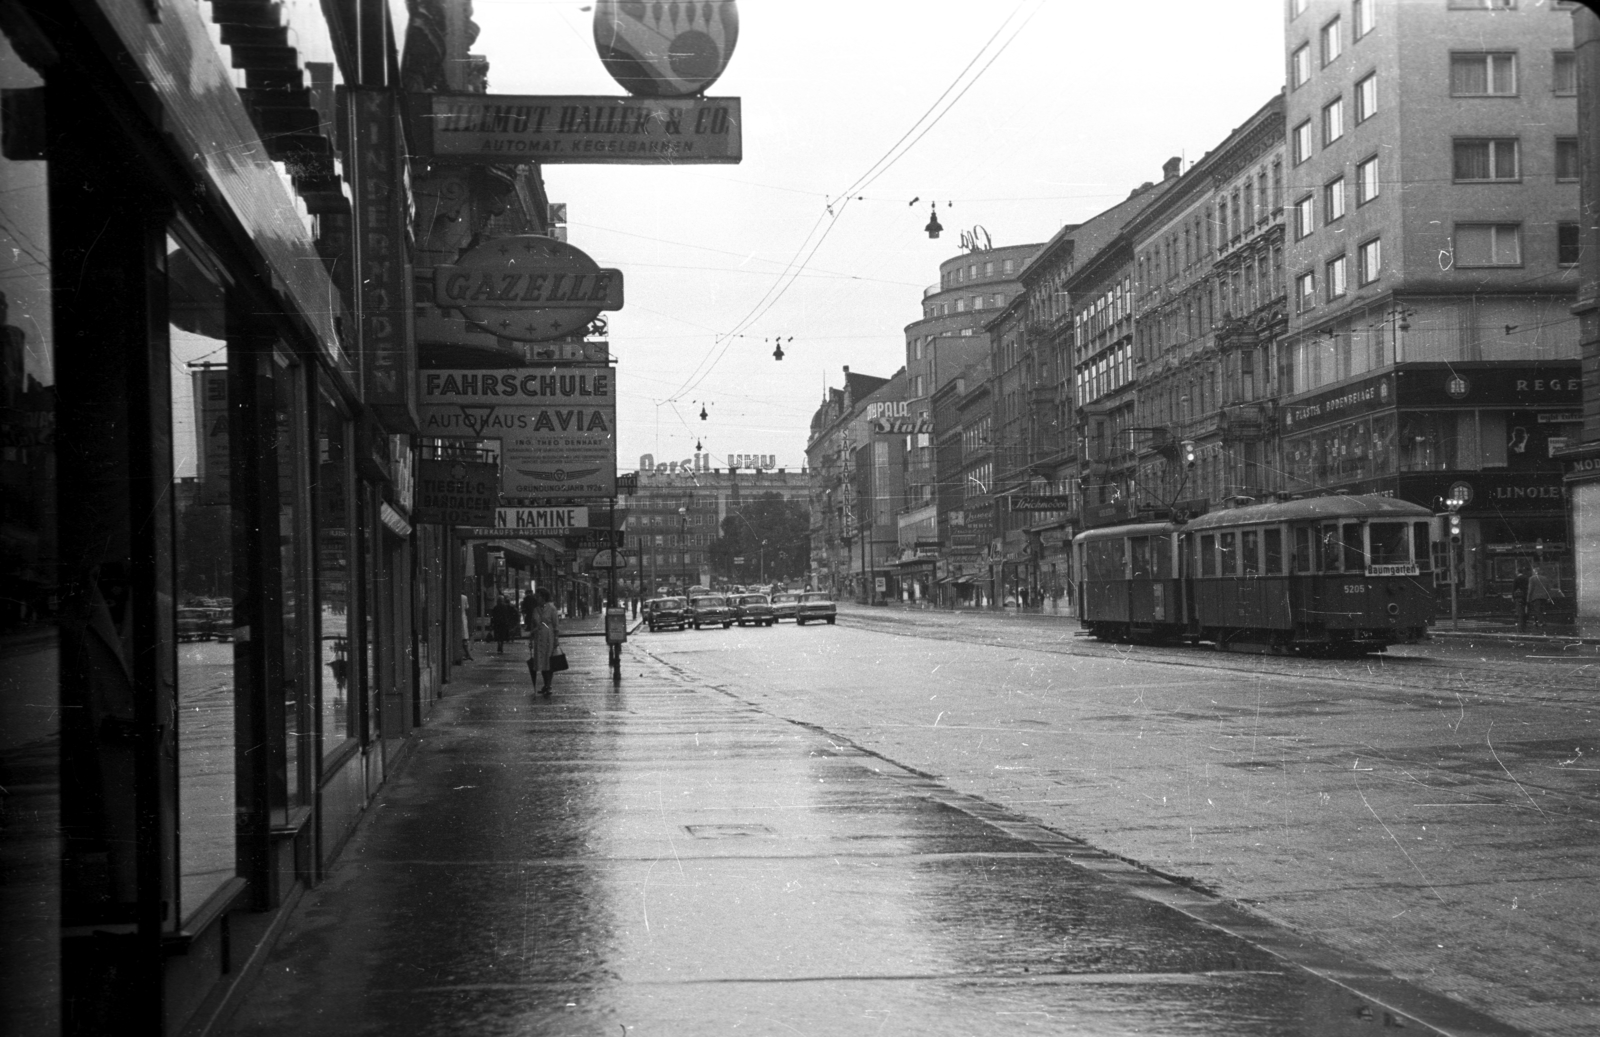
<point>1331,575</point>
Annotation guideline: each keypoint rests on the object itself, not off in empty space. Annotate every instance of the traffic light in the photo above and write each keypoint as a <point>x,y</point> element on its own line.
<point>1190,456</point>
<point>1455,527</point>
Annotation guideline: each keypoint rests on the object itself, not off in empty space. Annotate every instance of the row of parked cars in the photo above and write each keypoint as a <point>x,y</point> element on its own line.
<point>206,620</point>
<point>749,609</point>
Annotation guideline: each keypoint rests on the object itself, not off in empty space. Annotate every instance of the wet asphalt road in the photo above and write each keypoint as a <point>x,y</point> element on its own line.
<point>1433,813</point>
<point>678,857</point>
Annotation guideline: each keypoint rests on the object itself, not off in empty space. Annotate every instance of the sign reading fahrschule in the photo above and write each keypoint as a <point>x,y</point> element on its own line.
<point>594,130</point>
<point>556,425</point>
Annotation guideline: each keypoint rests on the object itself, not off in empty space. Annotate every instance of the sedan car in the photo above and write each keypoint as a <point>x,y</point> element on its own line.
<point>815,605</point>
<point>661,613</point>
<point>194,624</point>
<point>710,610</point>
<point>754,609</point>
<point>785,605</point>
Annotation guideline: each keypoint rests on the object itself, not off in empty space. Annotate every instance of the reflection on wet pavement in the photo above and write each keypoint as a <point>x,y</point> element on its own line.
<point>665,860</point>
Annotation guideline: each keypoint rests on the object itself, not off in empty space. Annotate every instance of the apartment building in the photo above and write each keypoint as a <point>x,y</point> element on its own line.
<point>1432,246</point>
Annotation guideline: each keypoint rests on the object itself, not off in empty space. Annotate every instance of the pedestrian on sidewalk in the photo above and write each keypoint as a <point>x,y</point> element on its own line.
<point>1539,596</point>
<point>543,640</point>
<point>1519,599</point>
<point>466,631</point>
<point>503,623</point>
<point>526,607</point>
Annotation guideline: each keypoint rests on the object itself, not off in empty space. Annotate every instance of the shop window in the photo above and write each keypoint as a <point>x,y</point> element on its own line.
<point>288,432</point>
<point>334,505</point>
<point>203,584</point>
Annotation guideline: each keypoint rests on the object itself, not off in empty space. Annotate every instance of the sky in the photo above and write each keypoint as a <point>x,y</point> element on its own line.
<point>1018,116</point>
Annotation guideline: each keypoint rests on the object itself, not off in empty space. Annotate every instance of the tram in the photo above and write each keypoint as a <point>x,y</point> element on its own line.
<point>1335,575</point>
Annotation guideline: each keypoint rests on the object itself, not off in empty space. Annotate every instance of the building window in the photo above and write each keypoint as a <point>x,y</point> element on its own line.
<point>1335,278</point>
<point>1304,217</point>
<point>1478,158</point>
<point>1300,65</point>
<point>1009,265</point>
<point>988,268</point>
<point>1483,74</point>
<point>1566,158</point>
<point>1367,98</point>
<point>1301,142</point>
<point>1366,180</point>
<point>1305,292</point>
<point>1333,200</point>
<point>1369,262</point>
<point>1299,8</point>
<point>1332,41</point>
<point>1488,244</point>
<point>1363,17</point>
<point>1568,244</point>
<point>1332,121</point>
<point>1565,81</point>
<point>1277,184</point>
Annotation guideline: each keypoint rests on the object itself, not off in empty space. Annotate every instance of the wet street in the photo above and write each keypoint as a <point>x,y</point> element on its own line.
<point>926,823</point>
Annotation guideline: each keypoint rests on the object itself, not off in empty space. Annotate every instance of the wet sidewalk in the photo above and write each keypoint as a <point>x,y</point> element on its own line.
<point>666,859</point>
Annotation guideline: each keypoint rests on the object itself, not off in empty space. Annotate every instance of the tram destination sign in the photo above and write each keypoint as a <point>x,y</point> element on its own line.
<point>556,426</point>
<point>592,130</point>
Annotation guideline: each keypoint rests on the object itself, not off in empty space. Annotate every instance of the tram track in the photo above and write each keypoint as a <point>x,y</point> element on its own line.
<point>1507,681</point>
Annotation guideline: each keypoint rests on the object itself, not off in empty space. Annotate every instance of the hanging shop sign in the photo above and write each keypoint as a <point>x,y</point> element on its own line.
<point>556,426</point>
<point>590,130</point>
<point>527,288</point>
<point>387,341</point>
<point>665,50</point>
<point>456,493</point>
<point>542,522</point>
<point>1040,502</point>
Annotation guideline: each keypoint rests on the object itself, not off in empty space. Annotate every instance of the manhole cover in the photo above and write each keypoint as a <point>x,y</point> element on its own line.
<point>727,831</point>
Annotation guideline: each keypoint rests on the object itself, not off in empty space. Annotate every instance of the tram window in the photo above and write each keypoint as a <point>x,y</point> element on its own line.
<point>1250,552</point>
<point>1419,545</point>
<point>1139,549</point>
<point>1208,555</point>
<point>1303,562</point>
<point>1329,560</point>
<point>1161,558</point>
<point>1272,539</point>
<point>1354,557</point>
<point>1229,553</point>
<point>1389,543</point>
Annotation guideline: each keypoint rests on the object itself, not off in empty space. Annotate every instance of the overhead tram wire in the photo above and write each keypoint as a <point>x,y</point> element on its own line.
<point>873,172</point>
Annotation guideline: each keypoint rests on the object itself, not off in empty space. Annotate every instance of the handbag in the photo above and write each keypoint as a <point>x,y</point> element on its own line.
<point>558,661</point>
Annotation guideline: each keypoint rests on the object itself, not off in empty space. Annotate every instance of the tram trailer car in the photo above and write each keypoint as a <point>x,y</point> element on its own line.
<point>1322,575</point>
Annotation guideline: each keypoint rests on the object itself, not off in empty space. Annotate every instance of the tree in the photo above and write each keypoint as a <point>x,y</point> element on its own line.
<point>784,525</point>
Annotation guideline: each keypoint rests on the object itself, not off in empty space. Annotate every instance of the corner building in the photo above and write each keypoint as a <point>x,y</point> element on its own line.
<point>1432,241</point>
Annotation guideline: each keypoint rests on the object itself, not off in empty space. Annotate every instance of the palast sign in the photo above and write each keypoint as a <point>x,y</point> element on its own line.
<point>582,129</point>
<point>528,288</point>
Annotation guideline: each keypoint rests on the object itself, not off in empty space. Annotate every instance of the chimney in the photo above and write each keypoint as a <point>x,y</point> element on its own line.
<point>1171,167</point>
<point>847,370</point>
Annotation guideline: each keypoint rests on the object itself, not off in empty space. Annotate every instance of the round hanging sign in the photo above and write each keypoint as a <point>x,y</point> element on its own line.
<point>528,288</point>
<point>665,49</point>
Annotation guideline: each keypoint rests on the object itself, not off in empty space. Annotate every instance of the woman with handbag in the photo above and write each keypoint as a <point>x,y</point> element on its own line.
<point>543,652</point>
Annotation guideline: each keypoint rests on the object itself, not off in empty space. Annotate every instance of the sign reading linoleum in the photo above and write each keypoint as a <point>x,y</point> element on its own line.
<point>556,425</point>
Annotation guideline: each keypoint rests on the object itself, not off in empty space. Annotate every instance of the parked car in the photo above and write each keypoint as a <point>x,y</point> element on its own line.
<point>754,609</point>
<point>661,613</point>
<point>785,605</point>
<point>194,624</point>
<point>710,610</point>
<point>221,622</point>
<point>815,605</point>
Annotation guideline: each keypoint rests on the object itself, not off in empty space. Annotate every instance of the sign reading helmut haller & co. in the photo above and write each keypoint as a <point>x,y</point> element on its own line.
<point>583,129</point>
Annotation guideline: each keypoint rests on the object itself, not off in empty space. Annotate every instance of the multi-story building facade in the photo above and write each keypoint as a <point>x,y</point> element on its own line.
<point>950,336</point>
<point>1208,319</point>
<point>845,539</point>
<point>677,513</point>
<point>1431,194</point>
<point>1583,458</point>
<point>972,564</point>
